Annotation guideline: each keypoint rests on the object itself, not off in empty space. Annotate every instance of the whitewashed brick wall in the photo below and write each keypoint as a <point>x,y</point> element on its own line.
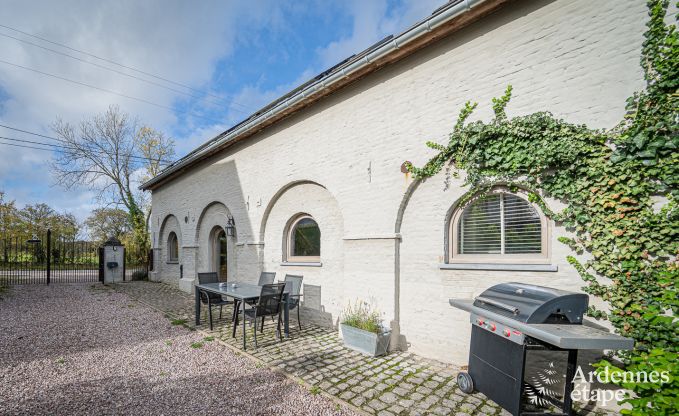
<point>577,59</point>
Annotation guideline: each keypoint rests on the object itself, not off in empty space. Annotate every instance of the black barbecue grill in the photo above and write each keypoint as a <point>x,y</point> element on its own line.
<point>510,319</point>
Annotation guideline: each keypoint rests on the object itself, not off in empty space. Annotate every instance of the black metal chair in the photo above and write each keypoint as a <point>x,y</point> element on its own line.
<point>269,304</point>
<point>265,278</point>
<point>211,299</point>
<point>294,284</point>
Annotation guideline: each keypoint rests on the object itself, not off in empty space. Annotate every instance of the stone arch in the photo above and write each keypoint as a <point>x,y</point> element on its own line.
<point>324,284</point>
<point>204,214</point>
<point>276,197</point>
<point>460,203</point>
<point>397,340</point>
<point>170,224</point>
<point>213,218</point>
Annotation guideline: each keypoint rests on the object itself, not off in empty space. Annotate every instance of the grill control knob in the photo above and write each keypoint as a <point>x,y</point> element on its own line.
<point>507,332</point>
<point>480,321</point>
<point>492,327</point>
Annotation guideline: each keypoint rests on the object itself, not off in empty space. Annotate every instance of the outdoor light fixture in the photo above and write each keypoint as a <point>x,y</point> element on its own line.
<point>34,240</point>
<point>230,227</point>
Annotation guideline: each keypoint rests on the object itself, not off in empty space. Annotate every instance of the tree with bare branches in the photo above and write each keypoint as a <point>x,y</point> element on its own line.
<point>112,153</point>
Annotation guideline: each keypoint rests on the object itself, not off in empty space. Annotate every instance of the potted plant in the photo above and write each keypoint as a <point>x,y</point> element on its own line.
<point>362,329</point>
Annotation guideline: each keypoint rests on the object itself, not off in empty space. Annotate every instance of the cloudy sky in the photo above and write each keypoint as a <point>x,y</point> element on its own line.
<point>234,55</point>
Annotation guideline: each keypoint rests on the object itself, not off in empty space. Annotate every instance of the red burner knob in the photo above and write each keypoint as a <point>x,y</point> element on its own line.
<point>507,332</point>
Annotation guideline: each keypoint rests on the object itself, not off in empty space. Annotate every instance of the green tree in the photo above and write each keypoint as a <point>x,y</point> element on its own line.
<point>65,226</point>
<point>111,153</point>
<point>9,216</point>
<point>104,223</point>
<point>36,219</point>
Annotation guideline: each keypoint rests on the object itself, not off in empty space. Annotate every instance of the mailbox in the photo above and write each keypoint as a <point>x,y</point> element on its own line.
<point>112,264</point>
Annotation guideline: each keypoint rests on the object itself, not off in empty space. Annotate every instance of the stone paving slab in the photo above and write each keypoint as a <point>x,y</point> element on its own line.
<point>400,383</point>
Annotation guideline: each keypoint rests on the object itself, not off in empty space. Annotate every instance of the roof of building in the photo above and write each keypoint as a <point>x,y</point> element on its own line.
<point>445,20</point>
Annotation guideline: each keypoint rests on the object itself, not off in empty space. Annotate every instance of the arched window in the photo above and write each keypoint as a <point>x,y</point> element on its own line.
<point>303,240</point>
<point>172,247</point>
<point>498,226</point>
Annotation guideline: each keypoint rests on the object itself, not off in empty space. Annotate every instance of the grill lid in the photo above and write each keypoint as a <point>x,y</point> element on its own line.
<point>534,304</point>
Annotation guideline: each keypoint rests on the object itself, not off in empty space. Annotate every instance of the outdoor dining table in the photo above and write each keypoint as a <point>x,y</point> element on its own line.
<point>242,292</point>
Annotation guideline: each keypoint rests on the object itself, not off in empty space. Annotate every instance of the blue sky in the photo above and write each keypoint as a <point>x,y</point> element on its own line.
<point>247,53</point>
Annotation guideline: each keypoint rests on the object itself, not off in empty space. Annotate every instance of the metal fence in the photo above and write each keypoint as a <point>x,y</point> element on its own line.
<point>46,258</point>
<point>136,265</point>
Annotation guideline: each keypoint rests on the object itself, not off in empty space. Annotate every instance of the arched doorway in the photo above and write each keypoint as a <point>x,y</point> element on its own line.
<point>219,250</point>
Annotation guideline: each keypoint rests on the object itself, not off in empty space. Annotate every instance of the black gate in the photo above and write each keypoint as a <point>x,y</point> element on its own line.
<point>101,264</point>
<point>136,264</point>
<point>47,259</point>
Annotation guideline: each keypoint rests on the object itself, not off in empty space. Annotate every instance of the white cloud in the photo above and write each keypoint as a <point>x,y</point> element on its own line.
<point>183,41</point>
<point>372,21</point>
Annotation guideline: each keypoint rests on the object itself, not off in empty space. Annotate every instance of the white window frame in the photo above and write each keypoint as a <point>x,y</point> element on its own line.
<point>170,251</point>
<point>523,258</point>
<point>289,257</point>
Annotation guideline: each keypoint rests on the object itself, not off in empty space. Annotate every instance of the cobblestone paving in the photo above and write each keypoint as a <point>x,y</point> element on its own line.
<point>397,384</point>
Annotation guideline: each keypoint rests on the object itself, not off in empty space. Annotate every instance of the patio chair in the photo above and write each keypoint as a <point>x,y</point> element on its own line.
<point>265,278</point>
<point>268,304</point>
<point>294,284</point>
<point>211,299</point>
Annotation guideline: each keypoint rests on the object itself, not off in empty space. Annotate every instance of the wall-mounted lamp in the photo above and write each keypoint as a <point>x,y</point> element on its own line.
<point>230,227</point>
<point>34,240</point>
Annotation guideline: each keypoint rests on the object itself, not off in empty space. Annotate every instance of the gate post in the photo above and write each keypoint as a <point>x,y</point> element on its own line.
<point>49,255</point>
<point>114,261</point>
<point>100,251</point>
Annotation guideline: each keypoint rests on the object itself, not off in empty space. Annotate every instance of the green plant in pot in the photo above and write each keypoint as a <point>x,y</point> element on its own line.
<point>363,329</point>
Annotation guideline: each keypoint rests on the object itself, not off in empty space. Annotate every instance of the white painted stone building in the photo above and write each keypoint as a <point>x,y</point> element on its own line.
<point>333,149</point>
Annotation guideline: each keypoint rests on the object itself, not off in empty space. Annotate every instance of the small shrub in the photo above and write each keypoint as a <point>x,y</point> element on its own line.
<point>210,338</point>
<point>197,345</point>
<point>363,316</point>
<point>168,342</point>
<point>178,322</point>
<point>140,275</point>
<point>314,390</point>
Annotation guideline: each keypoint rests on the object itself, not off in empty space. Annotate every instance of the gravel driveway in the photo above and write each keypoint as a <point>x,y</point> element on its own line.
<point>85,349</point>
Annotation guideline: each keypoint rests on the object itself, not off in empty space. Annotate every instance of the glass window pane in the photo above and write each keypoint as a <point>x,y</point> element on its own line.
<point>222,269</point>
<point>173,247</point>
<point>523,229</point>
<point>306,238</point>
<point>479,231</point>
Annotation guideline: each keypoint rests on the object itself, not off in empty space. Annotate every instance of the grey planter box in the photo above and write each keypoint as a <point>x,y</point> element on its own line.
<point>366,342</point>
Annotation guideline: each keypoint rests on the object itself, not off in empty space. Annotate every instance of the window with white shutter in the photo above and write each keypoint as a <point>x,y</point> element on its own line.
<point>498,226</point>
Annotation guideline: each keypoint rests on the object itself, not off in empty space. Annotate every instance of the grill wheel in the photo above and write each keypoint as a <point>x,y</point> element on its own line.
<point>465,382</point>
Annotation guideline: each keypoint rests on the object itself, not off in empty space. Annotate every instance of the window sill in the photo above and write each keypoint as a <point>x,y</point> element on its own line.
<point>172,262</point>
<point>500,267</point>
<point>300,263</point>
